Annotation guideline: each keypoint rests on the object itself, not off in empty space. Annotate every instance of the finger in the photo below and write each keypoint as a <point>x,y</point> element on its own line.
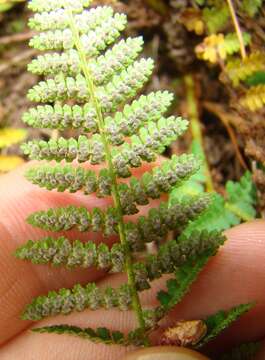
<point>261,352</point>
<point>22,281</point>
<point>220,286</point>
<point>165,353</point>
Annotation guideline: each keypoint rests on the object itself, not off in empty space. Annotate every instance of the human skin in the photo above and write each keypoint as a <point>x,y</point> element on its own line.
<point>236,275</point>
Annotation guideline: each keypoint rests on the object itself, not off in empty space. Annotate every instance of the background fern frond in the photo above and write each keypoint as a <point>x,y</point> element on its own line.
<point>239,70</point>
<point>254,98</point>
<point>216,17</point>
<point>251,7</point>
<point>218,46</point>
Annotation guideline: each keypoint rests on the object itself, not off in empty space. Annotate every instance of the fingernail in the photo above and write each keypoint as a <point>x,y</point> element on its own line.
<point>165,353</point>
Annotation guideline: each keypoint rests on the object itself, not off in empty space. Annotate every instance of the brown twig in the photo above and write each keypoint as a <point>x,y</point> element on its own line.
<point>17,59</point>
<point>224,117</point>
<point>9,39</point>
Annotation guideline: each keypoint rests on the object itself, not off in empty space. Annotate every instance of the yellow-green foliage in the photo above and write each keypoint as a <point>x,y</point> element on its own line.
<point>239,69</point>
<point>254,99</point>
<point>216,17</point>
<point>251,7</point>
<point>219,46</point>
<point>6,5</point>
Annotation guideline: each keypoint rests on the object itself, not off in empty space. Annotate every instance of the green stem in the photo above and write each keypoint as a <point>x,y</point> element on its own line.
<point>195,125</point>
<point>115,191</point>
<point>237,28</point>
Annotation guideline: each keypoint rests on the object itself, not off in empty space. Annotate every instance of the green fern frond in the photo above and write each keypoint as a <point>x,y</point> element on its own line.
<point>50,5</point>
<point>258,78</point>
<point>153,227</point>
<point>254,98</point>
<point>251,7</point>
<point>246,351</point>
<point>171,173</point>
<point>240,69</point>
<point>223,212</point>
<point>175,253</point>
<point>185,275</point>
<point>62,252</point>
<point>170,255</point>
<point>216,17</point>
<point>89,84</point>
<point>242,197</point>
<point>220,321</point>
<point>79,298</point>
<point>103,68</point>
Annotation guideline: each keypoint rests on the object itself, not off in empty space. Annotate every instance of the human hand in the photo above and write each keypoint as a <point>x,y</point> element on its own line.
<point>236,275</point>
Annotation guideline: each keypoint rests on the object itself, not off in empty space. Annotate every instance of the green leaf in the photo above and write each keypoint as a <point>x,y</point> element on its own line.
<point>251,7</point>
<point>242,197</point>
<point>185,275</point>
<point>243,352</point>
<point>256,79</point>
<point>221,320</point>
<point>100,335</point>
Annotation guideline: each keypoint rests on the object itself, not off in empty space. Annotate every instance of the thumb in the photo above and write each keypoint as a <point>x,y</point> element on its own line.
<point>165,353</point>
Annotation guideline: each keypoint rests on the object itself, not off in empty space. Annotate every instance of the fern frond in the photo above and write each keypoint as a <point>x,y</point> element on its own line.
<point>163,219</point>
<point>87,78</point>
<point>125,123</point>
<point>62,252</point>
<point>240,69</point>
<point>216,17</point>
<point>246,351</point>
<point>254,98</point>
<point>125,85</point>
<point>82,149</point>
<point>142,111</point>
<point>67,218</point>
<point>251,7</point>
<point>175,253</point>
<point>62,117</point>
<point>185,276</point>
<point>93,41</point>
<point>50,5</point>
<point>151,185</point>
<point>100,335</point>
<point>102,69</point>
<point>152,227</point>
<point>220,321</point>
<point>150,142</point>
<point>79,298</point>
<point>219,46</point>
<point>59,19</point>
<point>241,197</point>
<point>70,178</point>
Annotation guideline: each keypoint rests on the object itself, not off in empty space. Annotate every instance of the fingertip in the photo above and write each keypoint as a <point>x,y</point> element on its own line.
<point>165,353</point>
